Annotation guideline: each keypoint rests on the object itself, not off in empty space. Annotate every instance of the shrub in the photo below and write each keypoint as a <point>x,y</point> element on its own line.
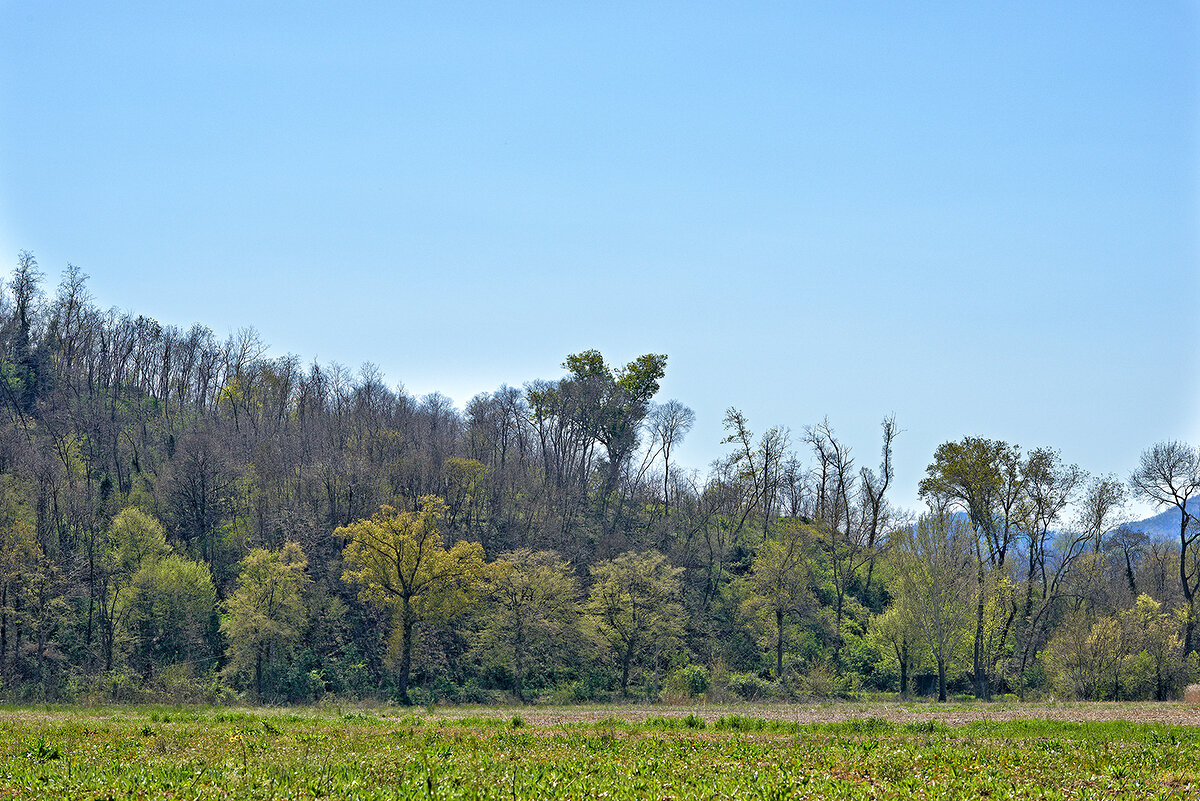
<point>690,681</point>
<point>820,682</point>
<point>750,687</point>
<point>444,689</point>
<point>314,685</point>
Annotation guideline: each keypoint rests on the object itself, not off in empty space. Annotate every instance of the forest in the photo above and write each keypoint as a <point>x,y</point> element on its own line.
<point>188,518</point>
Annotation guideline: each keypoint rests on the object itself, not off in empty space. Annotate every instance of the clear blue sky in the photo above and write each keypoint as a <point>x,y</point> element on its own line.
<point>981,217</point>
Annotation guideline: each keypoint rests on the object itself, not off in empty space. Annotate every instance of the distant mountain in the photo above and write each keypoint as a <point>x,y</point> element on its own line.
<point>1165,525</point>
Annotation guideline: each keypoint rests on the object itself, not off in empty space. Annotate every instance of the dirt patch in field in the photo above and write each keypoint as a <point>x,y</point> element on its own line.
<point>1177,714</point>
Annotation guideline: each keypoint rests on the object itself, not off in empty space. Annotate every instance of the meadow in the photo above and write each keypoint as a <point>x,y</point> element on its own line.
<point>895,751</point>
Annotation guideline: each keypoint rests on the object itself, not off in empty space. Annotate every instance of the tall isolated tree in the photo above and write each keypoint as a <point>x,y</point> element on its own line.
<point>760,469</point>
<point>873,487</point>
<point>400,561</point>
<point>621,400</point>
<point>19,363</point>
<point>634,609</point>
<point>1049,486</point>
<point>844,541</point>
<point>1169,475</point>
<point>596,406</point>
<point>265,614</point>
<point>669,424</point>
<point>1101,509</point>
<point>609,404</point>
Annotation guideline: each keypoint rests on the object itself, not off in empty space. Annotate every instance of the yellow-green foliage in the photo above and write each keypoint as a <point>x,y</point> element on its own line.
<point>633,608</point>
<point>400,562</point>
<point>266,613</point>
<point>1136,654</point>
<point>532,612</point>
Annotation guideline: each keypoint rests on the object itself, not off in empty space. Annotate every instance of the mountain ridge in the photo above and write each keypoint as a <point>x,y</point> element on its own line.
<point>1165,524</point>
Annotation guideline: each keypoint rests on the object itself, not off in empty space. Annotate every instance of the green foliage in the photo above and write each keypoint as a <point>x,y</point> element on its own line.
<point>95,753</point>
<point>689,681</point>
<point>400,563</point>
<point>750,687</point>
<point>530,618</point>
<point>1134,655</point>
<point>135,538</point>
<point>773,563</point>
<point>266,614</point>
<point>633,608</point>
<point>170,613</point>
<point>780,576</point>
<point>934,566</point>
<point>157,753</point>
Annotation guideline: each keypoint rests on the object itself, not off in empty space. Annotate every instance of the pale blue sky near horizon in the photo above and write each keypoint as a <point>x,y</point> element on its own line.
<point>982,218</point>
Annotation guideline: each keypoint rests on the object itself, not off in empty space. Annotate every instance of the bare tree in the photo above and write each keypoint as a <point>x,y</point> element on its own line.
<point>669,424</point>
<point>845,537</point>
<point>874,490</point>
<point>1169,475</point>
<point>1101,509</point>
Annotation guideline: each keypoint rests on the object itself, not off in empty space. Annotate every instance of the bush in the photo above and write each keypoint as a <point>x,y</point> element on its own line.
<point>820,681</point>
<point>122,687</point>
<point>356,681</point>
<point>445,690</point>
<point>593,685</point>
<point>750,687</point>
<point>472,692</point>
<point>690,681</point>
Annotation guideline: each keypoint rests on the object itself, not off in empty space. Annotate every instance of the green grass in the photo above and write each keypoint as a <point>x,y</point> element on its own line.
<point>215,753</point>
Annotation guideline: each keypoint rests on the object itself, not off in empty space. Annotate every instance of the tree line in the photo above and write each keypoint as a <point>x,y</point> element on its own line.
<point>188,517</point>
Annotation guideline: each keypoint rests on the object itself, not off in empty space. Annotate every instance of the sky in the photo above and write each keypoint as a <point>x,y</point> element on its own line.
<point>982,218</point>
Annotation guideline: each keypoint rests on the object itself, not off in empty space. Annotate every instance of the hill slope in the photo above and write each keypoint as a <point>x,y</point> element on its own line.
<point>1165,524</point>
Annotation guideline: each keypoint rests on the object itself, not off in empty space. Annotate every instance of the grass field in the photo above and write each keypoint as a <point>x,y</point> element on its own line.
<point>831,751</point>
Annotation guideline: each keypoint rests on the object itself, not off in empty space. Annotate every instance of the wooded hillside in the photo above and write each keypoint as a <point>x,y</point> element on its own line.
<point>188,517</point>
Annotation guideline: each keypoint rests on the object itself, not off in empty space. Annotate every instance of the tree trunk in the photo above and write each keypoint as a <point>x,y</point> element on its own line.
<point>1189,597</point>
<point>518,663</point>
<point>406,631</point>
<point>980,676</point>
<point>941,679</point>
<point>778,644</point>
<point>1189,630</point>
<point>837,641</point>
<point>4,632</point>
<point>1129,575</point>
<point>626,661</point>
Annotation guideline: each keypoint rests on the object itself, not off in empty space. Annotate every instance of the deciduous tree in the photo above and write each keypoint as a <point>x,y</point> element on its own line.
<point>1169,475</point>
<point>633,608</point>
<point>779,578</point>
<point>400,562</point>
<point>933,564</point>
<point>265,614</point>
<point>532,611</point>
<point>169,614</point>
